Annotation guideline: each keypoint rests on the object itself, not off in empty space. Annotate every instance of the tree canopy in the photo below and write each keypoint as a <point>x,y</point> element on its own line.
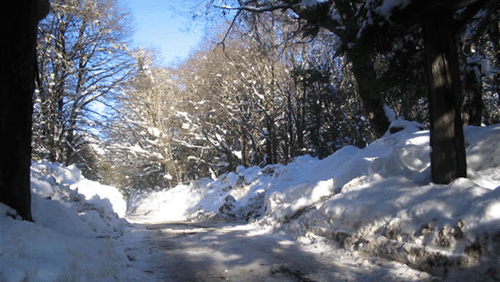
<point>276,80</point>
<point>366,28</point>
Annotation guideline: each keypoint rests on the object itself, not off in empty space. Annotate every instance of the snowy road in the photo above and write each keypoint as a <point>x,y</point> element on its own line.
<point>80,230</point>
<point>221,252</point>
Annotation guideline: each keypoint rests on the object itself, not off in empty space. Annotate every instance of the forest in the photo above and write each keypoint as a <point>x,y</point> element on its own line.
<point>271,81</point>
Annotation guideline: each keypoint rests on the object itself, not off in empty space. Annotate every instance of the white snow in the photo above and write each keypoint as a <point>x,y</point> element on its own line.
<point>377,201</point>
<point>386,8</point>
<point>307,3</point>
<point>391,115</point>
<point>73,235</point>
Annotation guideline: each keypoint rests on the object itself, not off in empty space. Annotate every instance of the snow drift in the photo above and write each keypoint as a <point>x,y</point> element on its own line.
<point>378,200</point>
<point>73,234</point>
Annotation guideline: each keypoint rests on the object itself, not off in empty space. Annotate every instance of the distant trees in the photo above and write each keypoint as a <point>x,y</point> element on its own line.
<point>363,27</point>
<point>352,24</point>
<point>140,143</point>
<point>478,46</point>
<point>282,79</point>
<point>249,102</point>
<point>257,103</point>
<point>232,91</point>
<point>83,58</point>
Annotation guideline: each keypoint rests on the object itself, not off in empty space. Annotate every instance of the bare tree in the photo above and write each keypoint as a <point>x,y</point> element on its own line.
<point>83,60</point>
<point>364,25</point>
<point>143,136</point>
<point>345,19</point>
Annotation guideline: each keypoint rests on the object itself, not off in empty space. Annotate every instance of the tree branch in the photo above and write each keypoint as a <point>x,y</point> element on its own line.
<point>255,9</point>
<point>469,13</point>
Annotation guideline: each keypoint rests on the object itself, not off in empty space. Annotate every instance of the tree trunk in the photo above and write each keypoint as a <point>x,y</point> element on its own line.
<point>270,142</point>
<point>244,146</point>
<point>301,119</point>
<point>446,130</point>
<point>369,87</point>
<point>289,134</point>
<point>17,83</point>
<point>474,106</point>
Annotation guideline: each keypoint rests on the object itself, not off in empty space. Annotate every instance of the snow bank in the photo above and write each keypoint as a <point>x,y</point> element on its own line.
<point>384,204</point>
<point>154,206</point>
<point>72,236</point>
<point>44,176</point>
<point>378,200</point>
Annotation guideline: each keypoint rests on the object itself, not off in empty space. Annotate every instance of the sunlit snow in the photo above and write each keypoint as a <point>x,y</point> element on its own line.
<point>378,201</point>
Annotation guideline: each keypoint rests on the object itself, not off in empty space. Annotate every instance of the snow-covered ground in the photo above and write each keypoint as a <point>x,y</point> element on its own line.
<point>376,201</point>
<point>75,233</point>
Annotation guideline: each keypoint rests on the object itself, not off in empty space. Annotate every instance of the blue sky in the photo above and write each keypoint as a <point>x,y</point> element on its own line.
<point>166,26</point>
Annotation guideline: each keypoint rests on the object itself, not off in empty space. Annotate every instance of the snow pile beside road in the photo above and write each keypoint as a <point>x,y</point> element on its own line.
<point>154,206</point>
<point>72,236</point>
<point>377,200</point>
<point>380,201</point>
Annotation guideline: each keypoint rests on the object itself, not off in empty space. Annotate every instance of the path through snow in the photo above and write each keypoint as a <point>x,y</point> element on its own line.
<point>182,251</point>
<point>377,200</point>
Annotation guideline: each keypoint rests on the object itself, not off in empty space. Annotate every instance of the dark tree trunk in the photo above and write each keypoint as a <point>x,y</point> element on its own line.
<point>369,87</point>
<point>289,134</point>
<point>474,106</point>
<point>244,147</point>
<point>271,141</point>
<point>301,120</point>
<point>446,131</point>
<point>18,25</point>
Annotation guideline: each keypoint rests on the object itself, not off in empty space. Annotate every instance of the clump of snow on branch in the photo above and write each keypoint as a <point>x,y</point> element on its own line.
<point>386,7</point>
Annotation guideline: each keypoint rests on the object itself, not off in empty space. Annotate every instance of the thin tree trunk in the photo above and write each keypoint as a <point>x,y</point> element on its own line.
<point>244,146</point>
<point>301,119</point>
<point>446,130</point>
<point>270,141</point>
<point>290,145</point>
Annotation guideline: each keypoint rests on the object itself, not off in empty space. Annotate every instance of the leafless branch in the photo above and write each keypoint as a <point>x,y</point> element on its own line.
<point>255,9</point>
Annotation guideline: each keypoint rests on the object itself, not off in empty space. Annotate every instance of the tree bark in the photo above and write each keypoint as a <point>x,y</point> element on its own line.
<point>446,130</point>
<point>369,87</point>
<point>244,146</point>
<point>17,83</point>
<point>474,106</point>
